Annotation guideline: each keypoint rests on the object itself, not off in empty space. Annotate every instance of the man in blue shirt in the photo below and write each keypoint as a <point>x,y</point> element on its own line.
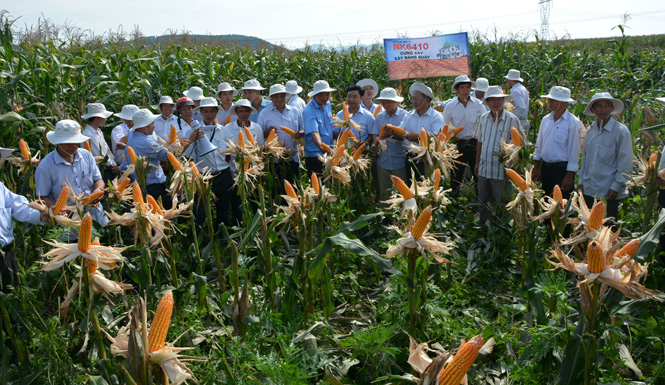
<point>392,158</point>
<point>318,126</point>
<point>362,116</point>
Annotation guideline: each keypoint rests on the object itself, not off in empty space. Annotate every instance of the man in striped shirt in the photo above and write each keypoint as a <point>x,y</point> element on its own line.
<point>493,126</point>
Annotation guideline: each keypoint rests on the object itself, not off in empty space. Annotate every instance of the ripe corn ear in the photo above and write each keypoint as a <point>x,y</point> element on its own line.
<point>423,137</point>
<point>287,130</point>
<point>195,170</point>
<point>315,183</point>
<point>160,324</point>
<point>377,111</point>
<point>249,136</point>
<point>227,120</point>
<point>272,135</point>
<point>86,145</point>
<point>595,258</point>
<point>458,130</point>
<point>557,195</point>
<point>85,233</point>
<point>396,129</point>
<point>241,140</point>
<point>92,197</point>
<point>516,138</point>
<point>461,363</point>
<point>132,154</point>
<point>517,179</point>
<point>339,151</point>
<point>23,146</point>
<point>421,223</point>
<point>325,147</point>
<point>629,249</point>
<point>437,179</point>
<point>290,191</point>
<point>154,205</point>
<point>174,162</point>
<point>173,135</point>
<point>359,151</point>
<point>62,201</point>
<point>652,160</point>
<point>344,137</point>
<point>138,198</point>
<point>123,185</point>
<point>402,187</point>
<point>345,108</point>
<point>596,216</point>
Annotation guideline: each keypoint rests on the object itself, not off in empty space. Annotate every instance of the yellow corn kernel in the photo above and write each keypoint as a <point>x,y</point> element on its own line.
<point>517,179</point>
<point>652,160</point>
<point>421,223</point>
<point>596,216</point>
<point>423,137</point>
<point>138,198</point>
<point>86,145</point>
<point>629,249</point>
<point>85,233</point>
<point>458,130</point>
<point>246,164</point>
<point>516,138</point>
<point>227,120</point>
<point>195,170</point>
<point>315,183</point>
<point>174,162</point>
<point>287,130</point>
<point>62,201</point>
<point>461,363</point>
<point>290,191</point>
<point>345,108</point>
<point>595,258</point>
<point>325,147</point>
<point>123,185</point>
<point>173,135</point>
<point>359,151</point>
<point>377,111</point>
<point>23,146</point>
<point>92,197</point>
<point>396,129</point>
<point>154,205</point>
<point>344,137</point>
<point>402,187</point>
<point>132,154</point>
<point>557,195</point>
<point>437,179</point>
<point>339,151</point>
<point>160,324</point>
<point>241,140</point>
<point>272,135</point>
<point>249,136</point>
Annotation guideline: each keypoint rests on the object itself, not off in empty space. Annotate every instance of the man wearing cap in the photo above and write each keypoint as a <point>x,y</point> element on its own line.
<point>371,89</point>
<point>69,165</point>
<point>280,114</point>
<point>362,116</point>
<point>292,91</point>
<point>607,154</point>
<point>252,92</point>
<point>120,132</point>
<point>317,118</point>
<point>195,94</point>
<point>225,94</point>
<point>464,111</point>
<point>520,97</point>
<point>479,90</point>
<point>392,159</point>
<point>494,126</point>
<point>557,154</point>
<point>164,121</point>
<point>96,117</point>
<point>12,206</point>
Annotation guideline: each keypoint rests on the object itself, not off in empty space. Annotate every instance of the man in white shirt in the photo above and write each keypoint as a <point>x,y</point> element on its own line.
<point>120,132</point>
<point>196,94</point>
<point>557,153</point>
<point>292,91</point>
<point>225,94</point>
<point>463,111</point>
<point>520,98</point>
<point>166,119</point>
<point>96,117</point>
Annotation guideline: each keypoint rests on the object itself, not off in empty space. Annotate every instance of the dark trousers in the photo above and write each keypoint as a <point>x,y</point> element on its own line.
<point>8,269</point>
<point>314,165</point>
<point>108,175</point>
<point>288,170</point>
<point>416,168</point>
<point>227,198</point>
<point>552,174</point>
<point>467,149</point>
<point>611,207</point>
<point>158,190</point>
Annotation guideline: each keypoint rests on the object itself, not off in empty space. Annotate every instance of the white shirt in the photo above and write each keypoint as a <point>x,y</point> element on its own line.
<point>520,97</point>
<point>458,115</point>
<point>290,118</point>
<point>163,127</point>
<point>98,144</point>
<point>370,109</point>
<point>214,161</point>
<point>222,114</point>
<point>607,160</point>
<point>490,132</point>
<point>232,129</point>
<point>559,141</point>
<point>119,132</point>
<point>16,207</point>
<point>431,121</point>
<point>298,103</point>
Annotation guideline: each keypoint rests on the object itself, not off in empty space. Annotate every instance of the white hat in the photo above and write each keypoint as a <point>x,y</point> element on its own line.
<point>221,87</point>
<point>166,100</point>
<point>208,102</point>
<point>66,132</point>
<point>194,93</point>
<point>96,110</point>
<point>389,93</point>
<point>4,153</point>
<point>252,84</point>
<point>514,75</point>
<point>127,112</point>
<point>618,104</point>
<point>143,118</point>
<point>422,89</point>
<point>482,85</point>
<point>369,82</point>
<point>292,87</point>
<point>462,79</point>
<point>561,94</point>
<point>276,89</point>
<point>320,86</point>
<point>241,103</point>
<point>662,100</point>
<point>496,92</point>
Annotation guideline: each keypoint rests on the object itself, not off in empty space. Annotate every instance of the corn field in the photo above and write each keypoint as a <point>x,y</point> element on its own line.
<point>318,284</point>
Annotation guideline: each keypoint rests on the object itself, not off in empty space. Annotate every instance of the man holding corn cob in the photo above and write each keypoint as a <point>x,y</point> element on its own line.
<point>361,116</point>
<point>317,118</point>
<point>225,94</point>
<point>392,158</point>
<point>96,117</point>
<point>163,123</point>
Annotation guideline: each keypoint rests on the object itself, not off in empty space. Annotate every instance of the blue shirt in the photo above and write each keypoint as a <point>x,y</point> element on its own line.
<point>14,206</point>
<point>372,109</point>
<point>255,117</point>
<point>147,146</point>
<point>365,120</point>
<point>54,173</point>
<point>290,118</point>
<point>394,157</point>
<point>319,120</point>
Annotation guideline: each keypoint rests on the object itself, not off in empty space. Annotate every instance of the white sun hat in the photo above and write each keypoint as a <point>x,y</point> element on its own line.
<point>320,86</point>
<point>276,89</point>
<point>241,103</point>
<point>194,93</point>
<point>96,110</point>
<point>143,118</point>
<point>221,87</point>
<point>390,93</point>
<point>4,153</point>
<point>66,132</point>
<point>127,112</point>
<point>496,92</point>
<point>251,84</point>
<point>482,85</point>
<point>166,100</point>
<point>662,100</point>
<point>514,75</point>
<point>208,102</point>
<point>462,79</point>
<point>561,94</point>
<point>618,104</point>
<point>422,89</point>
<point>292,87</point>
<point>369,82</point>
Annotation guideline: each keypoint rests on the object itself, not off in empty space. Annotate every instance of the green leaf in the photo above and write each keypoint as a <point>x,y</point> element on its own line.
<point>650,239</point>
<point>11,116</point>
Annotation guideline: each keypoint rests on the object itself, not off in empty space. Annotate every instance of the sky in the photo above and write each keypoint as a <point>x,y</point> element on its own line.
<point>294,23</point>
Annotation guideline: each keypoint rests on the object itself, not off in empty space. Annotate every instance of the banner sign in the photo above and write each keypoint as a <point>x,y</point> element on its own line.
<point>446,55</point>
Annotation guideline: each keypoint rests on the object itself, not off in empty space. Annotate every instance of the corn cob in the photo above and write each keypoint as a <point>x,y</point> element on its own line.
<point>595,258</point>
<point>402,187</point>
<point>629,249</point>
<point>396,129</point>
<point>173,135</point>
<point>86,145</point>
<point>154,205</point>
<point>227,120</point>
<point>249,136</point>
<point>23,146</point>
<point>91,263</point>
<point>345,108</point>
<point>421,223</point>
<point>557,195</point>
<point>174,162</point>
<point>339,151</point>
<point>359,151</point>
<point>287,130</point>
<point>272,135</point>
<point>160,323</point>
<point>123,185</point>
<point>377,111</point>
<point>437,179</point>
<point>195,170</point>
<point>315,183</point>
<point>382,130</point>
<point>440,138</point>
<point>85,233</point>
<point>62,201</point>
<point>457,130</point>
<point>461,363</point>
<point>241,140</point>
<point>423,137</point>
<point>246,164</point>
<point>516,138</point>
<point>290,191</point>
<point>325,147</point>
<point>92,197</point>
<point>517,179</point>
<point>652,160</point>
<point>596,216</point>
<point>138,198</point>
<point>132,154</point>
<point>344,137</point>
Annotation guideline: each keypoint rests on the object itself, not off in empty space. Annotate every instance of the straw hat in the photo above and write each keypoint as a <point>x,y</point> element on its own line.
<point>276,89</point>
<point>369,82</point>
<point>422,89</point>
<point>292,87</point>
<point>221,87</point>
<point>561,94</point>
<point>496,92</point>
<point>194,93</point>
<point>127,112</point>
<point>462,79</point>
<point>320,86</point>
<point>96,110</point>
<point>618,104</point>
<point>514,75</point>
<point>208,102</point>
<point>390,93</point>
<point>241,103</point>
<point>482,85</point>
<point>143,118</point>
<point>66,132</point>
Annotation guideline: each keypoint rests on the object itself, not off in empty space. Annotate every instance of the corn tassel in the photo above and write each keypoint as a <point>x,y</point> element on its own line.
<point>86,145</point>
<point>290,191</point>
<point>195,170</point>
<point>249,136</point>
<point>62,201</point>
<point>173,135</point>
<point>461,363</point>
<point>377,111</point>
<point>138,198</point>
<point>595,258</point>
<point>421,223</point>
<point>174,162</point>
<point>227,120</point>
<point>557,195</point>
<point>23,146</point>
<point>596,216</point>
<point>423,137</point>
<point>160,324</point>
<point>92,197</point>
<point>402,187</point>
<point>272,135</point>
<point>123,185</point>
<point>517,179</point>
<point>241,140</point>
<point>345,108</point>
<point>359,151</point>
<point>132,154</point>
<point>287,130</point>
<point>85,233</point>
<point>516,137</point>
<point>315,183</point>
<point>338,154</point>
<point>437,179</point>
